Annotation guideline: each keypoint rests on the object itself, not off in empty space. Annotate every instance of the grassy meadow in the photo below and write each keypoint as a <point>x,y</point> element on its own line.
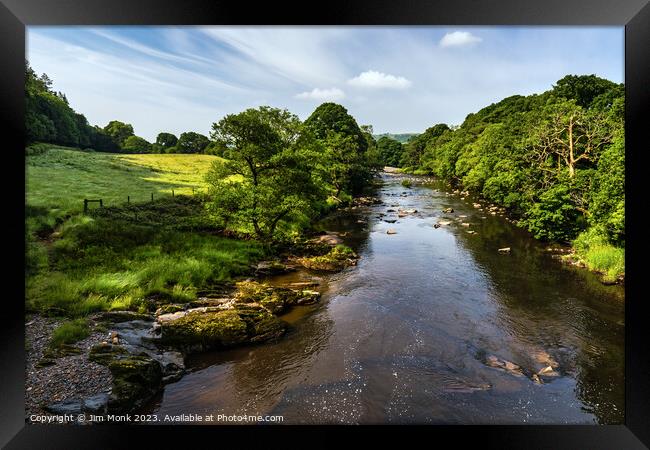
<point>62,177</point>
<point>122,256</point>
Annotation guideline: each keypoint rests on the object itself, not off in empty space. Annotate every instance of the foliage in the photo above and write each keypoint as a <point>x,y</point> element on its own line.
<point>191,142</point>
<point>273,162</point>
<point>119,131</point>
<point>390,151</point>
<point>555,160</point>
<point>128,257</point>
<point>136,144</point>
<point>164,142</point>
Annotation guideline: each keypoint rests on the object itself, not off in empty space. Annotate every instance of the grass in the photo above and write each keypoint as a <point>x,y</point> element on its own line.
<point>593,249</point>
<point>407,183</point>
<point>69,332</point>
<point>61,178</point>
<point>134,257</point>
<point>123,256</point>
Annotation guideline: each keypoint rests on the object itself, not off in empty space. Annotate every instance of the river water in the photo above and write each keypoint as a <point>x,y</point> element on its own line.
<point>407,335</point>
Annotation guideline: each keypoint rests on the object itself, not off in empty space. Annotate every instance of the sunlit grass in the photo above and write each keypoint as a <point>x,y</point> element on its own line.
<point>62,178</point>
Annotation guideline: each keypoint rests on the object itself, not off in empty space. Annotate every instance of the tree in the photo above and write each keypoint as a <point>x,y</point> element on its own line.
<point>334,117</point>
<point>330,123</point>
<point>583,89</point>
<point>136,144</point>
<point>568,135</point>
<point>266,181</point>
<point>390,151</point>
<point>414,148</point>
<point>165,141</point>
<point>191,142</point>
<point>119,131</point>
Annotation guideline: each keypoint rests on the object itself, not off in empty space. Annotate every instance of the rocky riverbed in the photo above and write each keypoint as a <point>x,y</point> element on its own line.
<point>129,357</point>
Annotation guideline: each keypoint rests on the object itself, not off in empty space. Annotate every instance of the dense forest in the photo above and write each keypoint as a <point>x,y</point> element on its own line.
<point>555,160</point>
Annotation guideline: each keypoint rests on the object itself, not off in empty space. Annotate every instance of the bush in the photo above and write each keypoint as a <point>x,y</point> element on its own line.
<point>407,183</point>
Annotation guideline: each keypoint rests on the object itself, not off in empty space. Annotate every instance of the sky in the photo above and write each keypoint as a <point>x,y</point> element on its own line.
<point>397,79</point>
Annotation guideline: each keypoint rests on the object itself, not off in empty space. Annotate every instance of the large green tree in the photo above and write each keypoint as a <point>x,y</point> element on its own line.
<point>119,131</point>
<point>191,142</point>
<point>266,182</point>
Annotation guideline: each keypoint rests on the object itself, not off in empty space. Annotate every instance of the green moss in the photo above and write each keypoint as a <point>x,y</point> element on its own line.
<point>208,329</point>
<point>135,380</point>
<point>105,353</point>
<point>337,259</point>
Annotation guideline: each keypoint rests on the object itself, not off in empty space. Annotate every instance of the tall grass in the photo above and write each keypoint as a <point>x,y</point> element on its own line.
<point>599,255</point>
<point>113,259</point>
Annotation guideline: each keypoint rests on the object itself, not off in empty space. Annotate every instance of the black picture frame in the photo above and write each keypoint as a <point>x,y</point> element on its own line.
<point>633,14</point>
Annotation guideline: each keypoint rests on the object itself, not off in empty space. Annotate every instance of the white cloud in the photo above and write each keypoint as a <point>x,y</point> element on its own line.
<point>322,94</point>
<point>374,79</point>
<point>459,39</point>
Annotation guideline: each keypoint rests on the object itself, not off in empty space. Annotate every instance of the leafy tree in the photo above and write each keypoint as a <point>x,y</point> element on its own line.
<point>165,141</point>
<point>415,146</point>
<point>136,144</point>
<point>119,131</point>
<point>332,117</point>
<point>390,151</point>
<point>583,89</point>
<point>191,142</point>
<point>266,181</point>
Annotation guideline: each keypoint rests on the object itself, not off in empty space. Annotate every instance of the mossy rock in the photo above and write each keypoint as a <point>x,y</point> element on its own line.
<point>336,260</point>
<point>135,380</point>
<point>171,308</point>
<point>208,329</point>
<point>123,316</point>
<point>203,330</point>
<point>275,299</point>
<point>104,353</point>
<point>261,324</point>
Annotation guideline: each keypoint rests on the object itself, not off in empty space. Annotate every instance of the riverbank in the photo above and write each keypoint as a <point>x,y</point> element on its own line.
<point>588,251</point>
<point>95,317</point>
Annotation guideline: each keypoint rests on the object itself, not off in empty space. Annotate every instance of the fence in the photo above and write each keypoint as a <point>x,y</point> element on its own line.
<point>128,199</point>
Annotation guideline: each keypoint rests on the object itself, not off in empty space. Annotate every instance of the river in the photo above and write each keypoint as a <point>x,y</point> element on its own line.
<point>407,335</point>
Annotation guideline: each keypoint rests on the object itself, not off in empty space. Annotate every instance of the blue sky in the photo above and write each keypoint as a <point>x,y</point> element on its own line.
<point>398,79</point>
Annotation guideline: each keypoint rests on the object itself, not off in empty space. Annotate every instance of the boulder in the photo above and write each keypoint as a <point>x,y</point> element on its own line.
<point>391,231</point>
<point>136,379</point>
<point>448,210</point>
<point>336,260</point>
<point>504,250</point>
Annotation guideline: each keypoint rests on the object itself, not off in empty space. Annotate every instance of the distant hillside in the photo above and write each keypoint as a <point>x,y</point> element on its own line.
<point>403,137</point>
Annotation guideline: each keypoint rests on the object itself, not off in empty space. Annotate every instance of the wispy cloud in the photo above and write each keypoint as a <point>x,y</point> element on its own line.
<point>459,39</point>
<point>322,94</point>
<point>178,79</point>
<point>374,79</point>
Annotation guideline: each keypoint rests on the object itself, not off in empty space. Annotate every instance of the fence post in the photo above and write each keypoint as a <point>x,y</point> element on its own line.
<point>101,203</point>
<point>152,197</point>
<point>172,193</point>
<point>85,205</point>
<point>128,199</point>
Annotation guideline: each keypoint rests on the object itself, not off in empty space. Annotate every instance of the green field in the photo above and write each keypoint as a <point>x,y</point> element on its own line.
<point>62,178</point>
<point>122,256</point>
